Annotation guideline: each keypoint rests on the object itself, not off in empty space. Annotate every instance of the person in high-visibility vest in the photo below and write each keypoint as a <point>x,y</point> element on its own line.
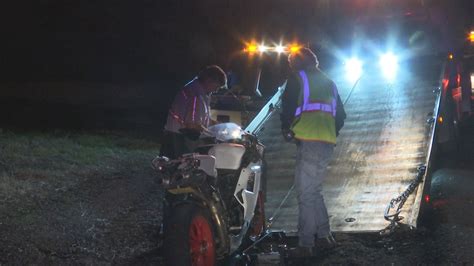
<point>190,113</point>
<point>310,105</point>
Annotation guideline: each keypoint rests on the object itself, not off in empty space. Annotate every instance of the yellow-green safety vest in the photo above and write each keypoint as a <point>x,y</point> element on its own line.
<point>316,112</point>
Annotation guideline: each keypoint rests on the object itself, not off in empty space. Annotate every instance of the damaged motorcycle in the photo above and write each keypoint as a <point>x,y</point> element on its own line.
<point>214,197</point>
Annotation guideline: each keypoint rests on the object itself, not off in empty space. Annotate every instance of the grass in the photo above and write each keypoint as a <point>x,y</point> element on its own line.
<point>77,197</point>
<point>31,161</point>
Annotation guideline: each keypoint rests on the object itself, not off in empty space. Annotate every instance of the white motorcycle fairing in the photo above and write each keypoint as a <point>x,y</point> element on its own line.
<point>207,163</point>
<point>228,155</point>
<point>247,197</point>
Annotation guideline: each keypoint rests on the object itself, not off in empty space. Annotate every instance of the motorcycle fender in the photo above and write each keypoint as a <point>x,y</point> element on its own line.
<point>184,192</point>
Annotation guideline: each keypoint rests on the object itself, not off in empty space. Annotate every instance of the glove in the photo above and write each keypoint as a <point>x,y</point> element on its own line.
<point>288,135</point>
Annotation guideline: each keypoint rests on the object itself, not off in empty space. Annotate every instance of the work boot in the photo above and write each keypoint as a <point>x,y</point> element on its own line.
<point>301,252</point>
<point>327,242</point>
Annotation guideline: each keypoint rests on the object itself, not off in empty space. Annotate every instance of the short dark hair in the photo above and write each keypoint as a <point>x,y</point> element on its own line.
<point>213,72</point>
<point>303,59</point>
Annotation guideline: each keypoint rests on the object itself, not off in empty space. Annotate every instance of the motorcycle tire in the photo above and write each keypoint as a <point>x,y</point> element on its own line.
<point>189,237</point>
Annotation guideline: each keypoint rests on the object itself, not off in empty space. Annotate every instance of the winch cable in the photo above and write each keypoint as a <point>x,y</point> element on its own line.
<point>275,214</point>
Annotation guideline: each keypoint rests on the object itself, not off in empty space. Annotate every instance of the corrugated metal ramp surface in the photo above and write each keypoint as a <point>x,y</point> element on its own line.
<point>384,139</point>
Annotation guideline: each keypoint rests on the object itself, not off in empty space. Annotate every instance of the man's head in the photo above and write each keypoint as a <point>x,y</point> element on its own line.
<point>212,78</point>
<point>303,59</point>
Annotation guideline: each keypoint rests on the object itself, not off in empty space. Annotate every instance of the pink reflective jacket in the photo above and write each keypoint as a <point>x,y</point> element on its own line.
<point>190,106</point>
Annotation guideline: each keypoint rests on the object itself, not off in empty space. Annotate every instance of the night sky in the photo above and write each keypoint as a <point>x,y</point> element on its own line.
<point>138,40</point>
<point>118,40</point>
<point>142,40</point>
<point>155,45</point>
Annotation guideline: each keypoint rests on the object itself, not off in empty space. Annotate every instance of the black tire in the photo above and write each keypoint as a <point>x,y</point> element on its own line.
<point>189,237</point>
<point>429,217</point>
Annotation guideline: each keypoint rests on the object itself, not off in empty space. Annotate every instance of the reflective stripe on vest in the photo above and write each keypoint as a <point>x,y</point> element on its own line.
<point>308,106</point>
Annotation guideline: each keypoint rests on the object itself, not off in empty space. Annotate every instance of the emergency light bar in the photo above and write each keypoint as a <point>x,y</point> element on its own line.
<point>252,48</point>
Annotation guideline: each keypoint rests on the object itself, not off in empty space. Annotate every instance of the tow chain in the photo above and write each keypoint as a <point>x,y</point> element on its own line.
<point>400,200</point>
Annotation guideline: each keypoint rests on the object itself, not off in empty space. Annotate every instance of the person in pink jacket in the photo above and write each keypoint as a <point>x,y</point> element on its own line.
<point>190,112</point>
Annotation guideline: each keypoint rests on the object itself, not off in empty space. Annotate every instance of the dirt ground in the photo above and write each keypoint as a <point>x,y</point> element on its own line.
<point>63,204</point>
<point>77,199</point>
<point>446,237</point>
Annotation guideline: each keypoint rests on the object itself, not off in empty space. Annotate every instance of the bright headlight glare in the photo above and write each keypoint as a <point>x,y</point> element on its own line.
<point>389,65</point>
<point>388,59</point>
<point>279,49</point>
<point>353,69</point>
<point>262,48</point>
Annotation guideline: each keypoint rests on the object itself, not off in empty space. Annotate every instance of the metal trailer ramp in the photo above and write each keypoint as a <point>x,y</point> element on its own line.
<point>384,139</point>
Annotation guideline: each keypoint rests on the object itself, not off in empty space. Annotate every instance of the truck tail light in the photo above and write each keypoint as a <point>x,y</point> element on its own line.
<point>427,198</point>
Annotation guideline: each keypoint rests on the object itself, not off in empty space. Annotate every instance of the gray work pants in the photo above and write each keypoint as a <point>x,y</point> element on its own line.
<point>312,159</point>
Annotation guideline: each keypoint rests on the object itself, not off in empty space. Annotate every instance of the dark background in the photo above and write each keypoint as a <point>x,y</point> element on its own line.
<point>117,64</point>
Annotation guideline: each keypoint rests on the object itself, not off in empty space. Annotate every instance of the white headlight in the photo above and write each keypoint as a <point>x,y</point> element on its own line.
<point>279,49</point>
<point>353,69</point>
<point>389,65</point>
<point>262,48</point>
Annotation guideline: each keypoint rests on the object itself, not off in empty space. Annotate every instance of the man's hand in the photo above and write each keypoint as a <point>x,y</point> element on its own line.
<point>288,135</point>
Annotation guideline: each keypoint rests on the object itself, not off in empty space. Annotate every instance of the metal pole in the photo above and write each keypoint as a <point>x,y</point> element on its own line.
<point>257,82</point>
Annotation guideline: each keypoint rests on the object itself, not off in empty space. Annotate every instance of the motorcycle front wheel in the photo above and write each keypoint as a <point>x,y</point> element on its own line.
<point>189,237</point>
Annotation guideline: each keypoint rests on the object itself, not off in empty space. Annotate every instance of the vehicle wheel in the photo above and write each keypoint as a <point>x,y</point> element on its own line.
<point>189,237</point>
<point>429,217</point>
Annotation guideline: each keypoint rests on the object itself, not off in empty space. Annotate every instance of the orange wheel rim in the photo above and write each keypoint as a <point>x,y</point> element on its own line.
<point>201,242</point>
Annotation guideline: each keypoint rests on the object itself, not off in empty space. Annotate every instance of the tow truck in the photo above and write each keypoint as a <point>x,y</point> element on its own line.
<point>457,88</point>
<point>379,176</point>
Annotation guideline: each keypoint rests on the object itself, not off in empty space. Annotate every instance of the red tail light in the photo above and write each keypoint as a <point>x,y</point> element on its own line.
<point>427,198</point>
